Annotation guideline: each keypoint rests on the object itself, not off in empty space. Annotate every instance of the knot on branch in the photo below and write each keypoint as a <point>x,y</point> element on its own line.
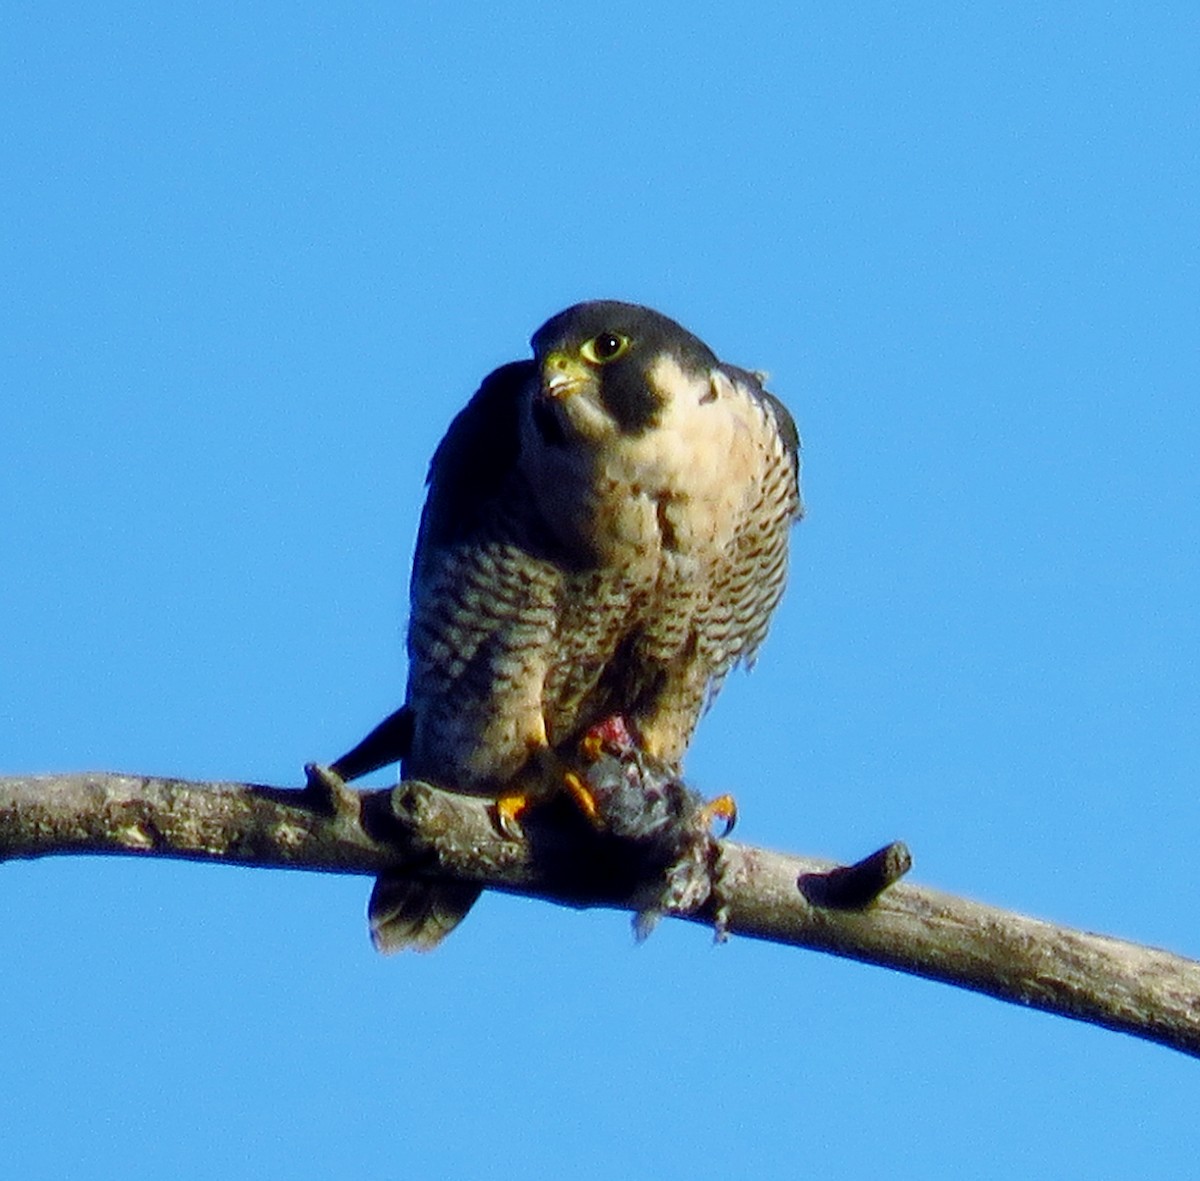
<point>851,887</point>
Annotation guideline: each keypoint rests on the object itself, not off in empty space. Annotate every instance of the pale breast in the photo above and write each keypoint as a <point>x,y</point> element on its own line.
<point>684,486</point>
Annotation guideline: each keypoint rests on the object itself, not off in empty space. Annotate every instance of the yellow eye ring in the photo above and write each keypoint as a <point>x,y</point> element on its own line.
<point>605,347</point>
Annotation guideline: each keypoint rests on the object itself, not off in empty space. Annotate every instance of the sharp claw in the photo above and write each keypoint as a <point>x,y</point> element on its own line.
<point>723,808</point>
<point>508,811</point>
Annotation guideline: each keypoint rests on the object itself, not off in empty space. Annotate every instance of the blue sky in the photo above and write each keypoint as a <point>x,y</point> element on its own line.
<point>255,258</point>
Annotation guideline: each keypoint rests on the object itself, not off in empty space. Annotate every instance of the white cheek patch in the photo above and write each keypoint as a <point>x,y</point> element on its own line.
<point>687,484</point>
<point>589,420</point>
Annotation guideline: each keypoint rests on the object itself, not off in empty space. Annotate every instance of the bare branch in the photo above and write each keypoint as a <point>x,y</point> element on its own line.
<point>850,911</point>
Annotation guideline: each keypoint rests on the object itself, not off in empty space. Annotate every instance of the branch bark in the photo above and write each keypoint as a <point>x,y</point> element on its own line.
<point>779,897</point>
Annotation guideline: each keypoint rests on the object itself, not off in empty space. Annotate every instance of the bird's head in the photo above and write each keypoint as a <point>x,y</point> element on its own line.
<point>606,369</point>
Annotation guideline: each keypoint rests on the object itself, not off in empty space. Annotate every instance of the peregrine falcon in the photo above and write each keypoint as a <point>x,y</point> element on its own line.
<point>605,533</point>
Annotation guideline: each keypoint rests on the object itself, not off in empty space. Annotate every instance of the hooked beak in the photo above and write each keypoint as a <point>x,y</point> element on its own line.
<point>562,375</point>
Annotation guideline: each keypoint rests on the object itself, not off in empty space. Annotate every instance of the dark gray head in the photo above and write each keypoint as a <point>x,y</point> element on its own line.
<point>605,359</point>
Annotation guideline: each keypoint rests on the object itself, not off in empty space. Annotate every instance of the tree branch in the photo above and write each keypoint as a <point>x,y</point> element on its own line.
<point>766,895</point>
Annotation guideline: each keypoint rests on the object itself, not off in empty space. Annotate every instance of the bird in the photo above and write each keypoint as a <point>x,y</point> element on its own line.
<point>605,534</point>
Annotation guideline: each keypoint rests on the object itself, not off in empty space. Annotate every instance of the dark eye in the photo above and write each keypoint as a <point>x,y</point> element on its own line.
<point>608,346</point>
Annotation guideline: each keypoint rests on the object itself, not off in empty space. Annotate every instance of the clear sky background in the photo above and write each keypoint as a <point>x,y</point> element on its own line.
<point>254,259</point>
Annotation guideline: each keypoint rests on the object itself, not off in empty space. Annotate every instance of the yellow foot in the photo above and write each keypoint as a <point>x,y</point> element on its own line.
<point>723,808</point>
<point>578,791</point>
<point>509,808</point>
<point>592,746</point>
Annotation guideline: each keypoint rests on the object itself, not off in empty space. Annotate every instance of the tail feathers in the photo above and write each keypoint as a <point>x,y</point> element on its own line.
<point>389,742</point>
<point>408,912</point>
